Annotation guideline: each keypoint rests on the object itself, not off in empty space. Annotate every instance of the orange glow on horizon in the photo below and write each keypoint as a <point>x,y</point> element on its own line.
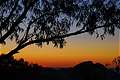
<point>76,50</point>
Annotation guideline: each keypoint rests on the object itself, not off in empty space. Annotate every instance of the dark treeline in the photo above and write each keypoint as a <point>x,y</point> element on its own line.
<point>21,70</point>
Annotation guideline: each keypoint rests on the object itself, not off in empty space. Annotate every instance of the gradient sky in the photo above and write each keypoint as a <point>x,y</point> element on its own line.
<point>78,48</point>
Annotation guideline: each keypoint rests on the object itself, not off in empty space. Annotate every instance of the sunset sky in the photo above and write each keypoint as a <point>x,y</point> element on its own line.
<point>78,49</point>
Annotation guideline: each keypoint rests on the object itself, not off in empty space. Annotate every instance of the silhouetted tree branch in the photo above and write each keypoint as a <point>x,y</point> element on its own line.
<point>21,46</point>
<point>39,21</point>
<point>18,21</point>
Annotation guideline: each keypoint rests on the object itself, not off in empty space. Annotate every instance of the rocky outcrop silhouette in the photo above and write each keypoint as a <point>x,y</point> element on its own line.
<point>90,71</point>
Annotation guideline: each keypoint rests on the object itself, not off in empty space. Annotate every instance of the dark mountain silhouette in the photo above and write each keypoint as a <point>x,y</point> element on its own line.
<point>21,70</point>
<point>90,71</point>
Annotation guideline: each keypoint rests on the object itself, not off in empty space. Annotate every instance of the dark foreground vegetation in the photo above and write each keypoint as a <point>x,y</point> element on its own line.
<point>21,70</point>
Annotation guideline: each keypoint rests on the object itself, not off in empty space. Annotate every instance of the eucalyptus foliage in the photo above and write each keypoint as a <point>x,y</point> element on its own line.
<point>44,21</point>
